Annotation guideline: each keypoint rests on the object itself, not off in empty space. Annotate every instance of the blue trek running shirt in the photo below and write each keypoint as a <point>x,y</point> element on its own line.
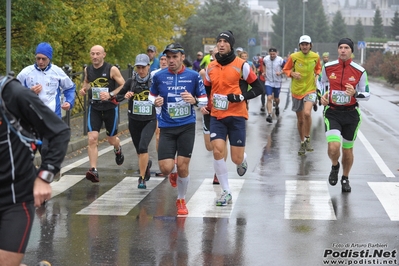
<point>175,112</point>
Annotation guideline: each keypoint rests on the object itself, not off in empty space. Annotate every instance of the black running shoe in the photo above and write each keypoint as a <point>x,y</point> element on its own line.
<point>141,183</point>
<point>92,175</point>
<point>269,119</point>
<point>119,158</point>
<point>345,185</point>
<point>147,171</point>
<point>277,111</point>
<point>262,109</point>
<point>333,178</point>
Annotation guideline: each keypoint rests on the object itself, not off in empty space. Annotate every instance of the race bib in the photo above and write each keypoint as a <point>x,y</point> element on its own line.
<point>96,92</point>
<point>220,102</point>
<point>179,110</point>
<point>142,108</point>
<point>340,97</point>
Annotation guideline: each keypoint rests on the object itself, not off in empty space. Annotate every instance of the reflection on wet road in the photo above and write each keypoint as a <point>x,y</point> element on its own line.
<point>284,212</point>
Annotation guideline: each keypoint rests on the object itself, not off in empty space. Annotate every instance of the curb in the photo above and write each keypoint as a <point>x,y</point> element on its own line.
<point>82,142</point>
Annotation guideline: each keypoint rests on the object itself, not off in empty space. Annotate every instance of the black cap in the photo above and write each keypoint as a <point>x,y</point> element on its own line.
<point>228,36</point>
<point>346,41</point>
<point>272,49</point>
<point>174,48</point>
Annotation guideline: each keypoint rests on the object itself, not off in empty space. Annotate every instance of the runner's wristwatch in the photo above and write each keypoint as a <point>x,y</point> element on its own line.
<point>46,176</point>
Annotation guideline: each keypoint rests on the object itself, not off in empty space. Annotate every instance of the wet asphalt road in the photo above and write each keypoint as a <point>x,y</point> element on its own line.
<point>283,212</point>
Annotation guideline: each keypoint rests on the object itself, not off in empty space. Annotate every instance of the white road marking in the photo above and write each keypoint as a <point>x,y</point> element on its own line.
<point>65,183</point>
<point>377,158</point>
<point>388,195</point>
<point>86,159</point>
<point>203,202</point>
<point>120,199</point>
<point>308,200</point>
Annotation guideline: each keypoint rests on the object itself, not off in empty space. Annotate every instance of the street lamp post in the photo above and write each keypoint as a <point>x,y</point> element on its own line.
<point>8,37</point>
<point>303,20</point>
<point>268,14</point>
<point>283,44</point>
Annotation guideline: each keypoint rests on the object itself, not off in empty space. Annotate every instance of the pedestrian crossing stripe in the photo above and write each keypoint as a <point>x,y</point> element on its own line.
<point>305,200</point>
<point>203,202</point>
<point>376,157</point>
<point>65,182</point>
<point>308,200</point>
<point>388,194</point>
<point>120,199</point>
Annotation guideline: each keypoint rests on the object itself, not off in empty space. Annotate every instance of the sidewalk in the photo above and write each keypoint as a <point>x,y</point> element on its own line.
<point>79,141</point>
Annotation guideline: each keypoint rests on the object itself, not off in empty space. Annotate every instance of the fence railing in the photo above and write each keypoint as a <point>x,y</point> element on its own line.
<point>81,102</point>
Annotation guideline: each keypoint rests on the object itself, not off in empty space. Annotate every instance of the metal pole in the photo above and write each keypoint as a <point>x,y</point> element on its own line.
<point>303,20</point>
<point>283,46</point>
<point>361,56</point>
<point>8,37</point>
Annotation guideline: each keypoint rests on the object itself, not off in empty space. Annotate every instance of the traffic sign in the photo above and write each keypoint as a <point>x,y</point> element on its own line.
<point>361,45</point>
<point>251,42</point>
<point>209,41</point>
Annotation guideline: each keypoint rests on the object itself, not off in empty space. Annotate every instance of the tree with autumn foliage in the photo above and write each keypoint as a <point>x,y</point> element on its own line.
<point>123,27</point>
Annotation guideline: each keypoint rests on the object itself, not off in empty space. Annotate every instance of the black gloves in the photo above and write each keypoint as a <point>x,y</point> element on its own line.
<point>235,98</point>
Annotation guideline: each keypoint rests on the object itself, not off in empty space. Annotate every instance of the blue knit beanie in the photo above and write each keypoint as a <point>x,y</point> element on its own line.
<point>46,49</point>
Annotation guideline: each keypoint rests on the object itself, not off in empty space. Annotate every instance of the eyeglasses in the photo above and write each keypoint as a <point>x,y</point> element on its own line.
<point>41,58</point>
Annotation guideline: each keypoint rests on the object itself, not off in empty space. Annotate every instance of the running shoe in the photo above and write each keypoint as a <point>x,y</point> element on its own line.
<point>315,106</point>
<point>119,158</point>
<point>277,111</point>
<point>92,175</point>
<point>308,145</point>
<point>345,185</point>
<point>302,149</point>
<point>215,180</point>
<point>269,119</point>
<point>224,199</point>
<point>147,171</point>
<point>262,109</point>
<point>181,207</point>
<point>242,168</point>
<point>333,178</point>
<point>172,179</point>
<point>44,263</point>
<point>141,182</point>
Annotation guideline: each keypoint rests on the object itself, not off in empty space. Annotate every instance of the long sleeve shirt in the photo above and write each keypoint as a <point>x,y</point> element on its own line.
<point>54,82</point>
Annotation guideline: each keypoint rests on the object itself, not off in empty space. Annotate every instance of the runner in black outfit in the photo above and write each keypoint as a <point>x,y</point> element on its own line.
<point>102,82</point>
<point>142,116</point>
<point>22,186</point>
